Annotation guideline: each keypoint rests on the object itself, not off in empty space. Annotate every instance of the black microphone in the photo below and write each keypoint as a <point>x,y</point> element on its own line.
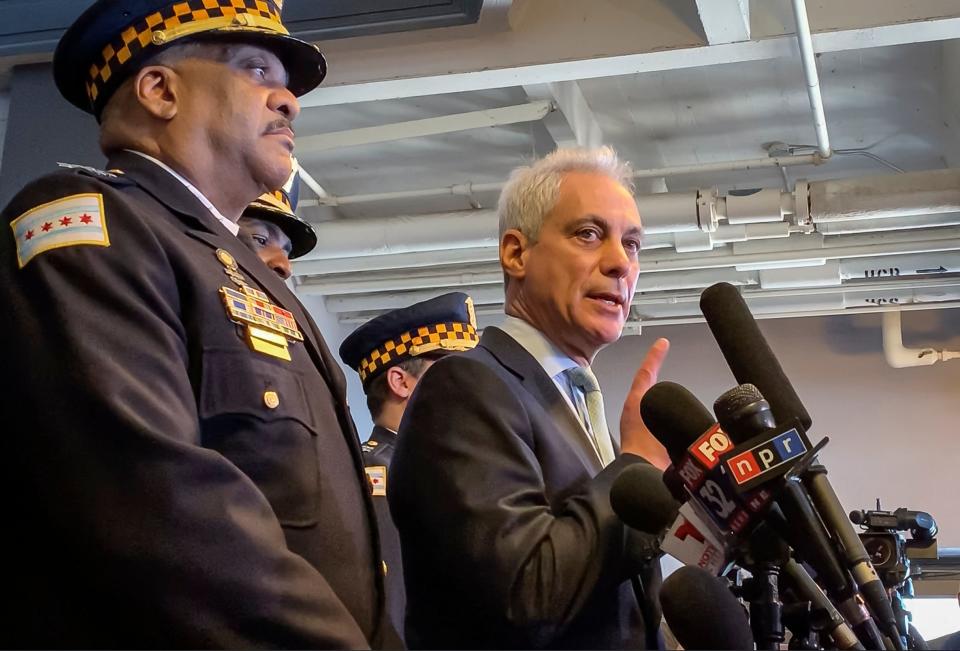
<point>752,361</point>
<point>640,498</point>
<point>745,415</point>
<point>808,590</point>
<point>702,612</point>
<point>675,417</point>
<point>747,353</point>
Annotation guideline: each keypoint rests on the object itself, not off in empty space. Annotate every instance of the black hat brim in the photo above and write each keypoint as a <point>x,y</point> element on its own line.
<point>302,236</point>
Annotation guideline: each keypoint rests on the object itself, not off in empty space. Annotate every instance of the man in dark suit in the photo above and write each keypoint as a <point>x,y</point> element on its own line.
<point>181,468</point>
<point>271,228</point>
<point>502,474</point>
<point>391,353</point>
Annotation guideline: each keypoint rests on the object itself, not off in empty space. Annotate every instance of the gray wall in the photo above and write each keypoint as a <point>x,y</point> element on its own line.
<point>42,130</point>
<point>892,431</point>
<point>334,334</point>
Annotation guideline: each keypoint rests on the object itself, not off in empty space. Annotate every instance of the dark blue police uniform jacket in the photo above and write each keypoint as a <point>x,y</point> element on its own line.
<point>155,496</point>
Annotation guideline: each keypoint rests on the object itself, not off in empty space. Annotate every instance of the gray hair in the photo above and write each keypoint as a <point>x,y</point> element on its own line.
<point>532,191</point>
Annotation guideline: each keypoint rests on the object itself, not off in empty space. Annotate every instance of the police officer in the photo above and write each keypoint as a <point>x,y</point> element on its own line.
<point>391,353</point>
<point>270,226</point>
<point>180,466</point>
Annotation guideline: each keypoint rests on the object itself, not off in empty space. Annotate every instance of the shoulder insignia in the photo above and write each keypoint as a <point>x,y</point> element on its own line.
<point>113,176</point>
<point>377,476</point>
<point>70,221</point>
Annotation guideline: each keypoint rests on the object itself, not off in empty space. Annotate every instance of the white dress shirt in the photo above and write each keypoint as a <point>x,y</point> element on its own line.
<point>231,226</point>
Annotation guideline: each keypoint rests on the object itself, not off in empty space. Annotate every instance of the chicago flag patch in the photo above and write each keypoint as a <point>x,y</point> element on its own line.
<point>73,220</point>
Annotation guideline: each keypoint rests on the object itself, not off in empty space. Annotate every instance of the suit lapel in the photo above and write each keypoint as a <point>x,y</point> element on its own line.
<point>542,387</point>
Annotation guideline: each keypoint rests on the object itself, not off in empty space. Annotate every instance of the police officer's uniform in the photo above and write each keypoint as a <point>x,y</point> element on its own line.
<point>431,328</point>
<point>180,465</point>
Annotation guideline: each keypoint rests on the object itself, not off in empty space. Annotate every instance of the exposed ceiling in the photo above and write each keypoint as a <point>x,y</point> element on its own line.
<point>408,141</point>
<point>669,84</point>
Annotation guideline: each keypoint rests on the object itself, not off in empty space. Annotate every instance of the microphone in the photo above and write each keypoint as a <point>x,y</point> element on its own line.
<point>752,361</point>
<point>702,612</point>
<point>695,442</point>
<point>641,499</point>
<point>749,419</point>
<point>808,590</point>
<point>675,417</point>
<point>747,353</point>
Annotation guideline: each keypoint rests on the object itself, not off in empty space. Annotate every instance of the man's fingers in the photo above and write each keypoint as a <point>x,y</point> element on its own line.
<point>650,368</point>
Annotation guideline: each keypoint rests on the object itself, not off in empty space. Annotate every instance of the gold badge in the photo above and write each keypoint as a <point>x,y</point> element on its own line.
<point>226,259</point>
<point>271,399</point>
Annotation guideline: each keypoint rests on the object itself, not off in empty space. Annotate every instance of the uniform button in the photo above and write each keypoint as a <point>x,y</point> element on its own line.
<point>271,399</point>
<point>384,567</point>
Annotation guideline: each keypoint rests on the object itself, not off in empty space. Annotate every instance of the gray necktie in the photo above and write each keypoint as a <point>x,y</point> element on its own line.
<point>587,382</point>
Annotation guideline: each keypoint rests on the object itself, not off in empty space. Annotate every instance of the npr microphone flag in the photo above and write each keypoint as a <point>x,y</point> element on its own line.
<point>767,456</point>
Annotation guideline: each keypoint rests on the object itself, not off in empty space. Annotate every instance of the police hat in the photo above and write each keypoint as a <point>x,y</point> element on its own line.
<point>280,208</point>
<point>110,40</point>
<point>443,324</point>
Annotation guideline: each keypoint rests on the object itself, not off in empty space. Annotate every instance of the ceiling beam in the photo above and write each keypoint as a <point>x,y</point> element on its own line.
<point>573,123</point>
<point>496,117</point>
<point>480,78</point>
<point>725,21</point>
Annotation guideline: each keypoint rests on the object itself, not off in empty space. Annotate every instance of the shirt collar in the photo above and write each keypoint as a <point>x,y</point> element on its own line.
<point>553,361</point>
<point>231,226</point>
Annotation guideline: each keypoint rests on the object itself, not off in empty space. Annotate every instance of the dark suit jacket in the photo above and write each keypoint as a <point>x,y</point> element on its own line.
<point>154,496</point>
<point>508,537</point>
<point>378,451</point>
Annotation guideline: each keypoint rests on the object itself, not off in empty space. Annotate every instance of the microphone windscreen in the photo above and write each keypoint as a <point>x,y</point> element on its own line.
<point>641,499</point>
<point>702,612</point>
<point>747,353</point>
<point>674,416</point>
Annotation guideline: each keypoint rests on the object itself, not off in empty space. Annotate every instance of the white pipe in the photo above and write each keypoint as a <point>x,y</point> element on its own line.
<point>312,183</point>
<point>930,192</point>
<point>308,266</point>
<point>899,357</point>
<point>696,214</point>
<point>686,320</point>
<point>466,189</point>
<point>889,224</point>
<point>809,62</point>
<point>405,234</point>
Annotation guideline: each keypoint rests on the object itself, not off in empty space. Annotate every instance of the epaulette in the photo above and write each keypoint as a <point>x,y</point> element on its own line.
<point>114,177</point>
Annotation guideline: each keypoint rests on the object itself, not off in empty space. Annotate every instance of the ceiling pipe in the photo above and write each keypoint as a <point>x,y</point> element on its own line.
<point>469,189</point>
<point>809,61</point>
<point>762,214</point>
<point>882,196</point>
<point>899,357</point>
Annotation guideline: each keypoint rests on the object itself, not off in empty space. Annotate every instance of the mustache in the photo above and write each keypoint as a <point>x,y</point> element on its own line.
<point>282,123</point>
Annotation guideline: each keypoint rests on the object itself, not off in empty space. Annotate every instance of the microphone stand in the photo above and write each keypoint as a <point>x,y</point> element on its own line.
<point>766,555</point>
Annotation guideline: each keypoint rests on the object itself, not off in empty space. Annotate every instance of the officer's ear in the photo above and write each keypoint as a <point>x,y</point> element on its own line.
<point>156,90</point>
<point>400,382</point>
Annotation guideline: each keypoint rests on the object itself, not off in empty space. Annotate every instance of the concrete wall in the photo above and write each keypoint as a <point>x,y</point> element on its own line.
<point>891,430</point>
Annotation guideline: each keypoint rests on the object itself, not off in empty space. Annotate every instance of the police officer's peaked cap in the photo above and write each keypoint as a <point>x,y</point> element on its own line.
<point>443,324</point>
<point>280,208</point>
<point>111,39</point>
